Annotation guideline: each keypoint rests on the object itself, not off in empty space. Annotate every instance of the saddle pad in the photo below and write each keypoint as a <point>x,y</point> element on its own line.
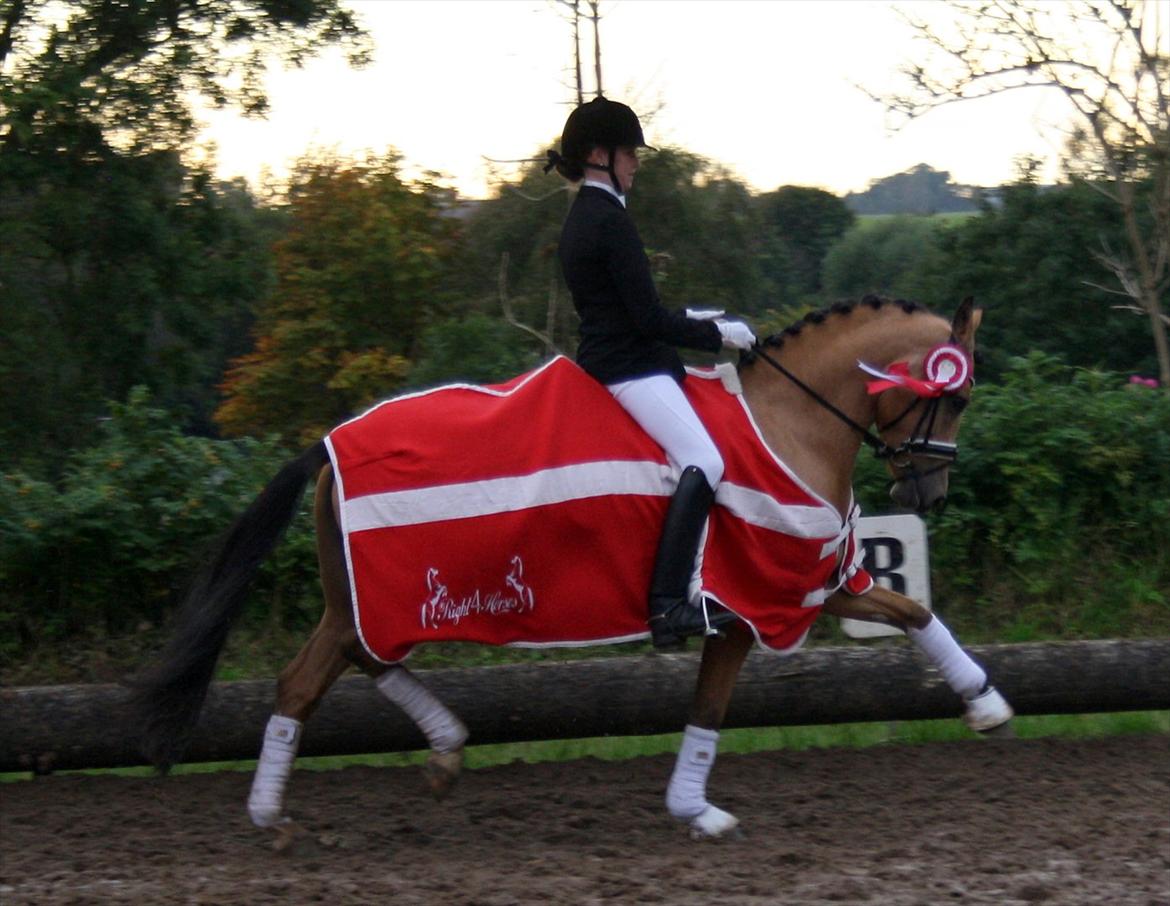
<point>528,513</point>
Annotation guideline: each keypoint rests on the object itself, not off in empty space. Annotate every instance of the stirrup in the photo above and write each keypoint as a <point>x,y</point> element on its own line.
<point>671,626</point>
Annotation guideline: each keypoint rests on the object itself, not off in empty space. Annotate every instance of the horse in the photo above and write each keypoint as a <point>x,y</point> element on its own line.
<point>887,373</point>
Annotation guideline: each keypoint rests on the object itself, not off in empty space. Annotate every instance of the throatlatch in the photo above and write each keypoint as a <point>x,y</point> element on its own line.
<point>672,618</point>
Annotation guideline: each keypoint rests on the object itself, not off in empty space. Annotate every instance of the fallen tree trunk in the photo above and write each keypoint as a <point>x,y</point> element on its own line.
<point>61,727</point>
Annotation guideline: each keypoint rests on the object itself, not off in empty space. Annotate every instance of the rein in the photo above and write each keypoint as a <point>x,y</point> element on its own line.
<point>881,450</point>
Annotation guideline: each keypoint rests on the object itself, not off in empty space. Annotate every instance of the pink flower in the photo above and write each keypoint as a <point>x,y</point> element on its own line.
<point>1143,381</point>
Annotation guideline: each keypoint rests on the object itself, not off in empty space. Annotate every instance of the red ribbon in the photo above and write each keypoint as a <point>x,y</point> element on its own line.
<point>898,375</point>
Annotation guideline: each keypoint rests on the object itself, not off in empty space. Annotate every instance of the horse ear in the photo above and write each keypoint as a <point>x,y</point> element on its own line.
<point>966,322</point>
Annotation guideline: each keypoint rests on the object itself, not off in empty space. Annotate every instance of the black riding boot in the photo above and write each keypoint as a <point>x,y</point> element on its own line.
<point>672,618</point>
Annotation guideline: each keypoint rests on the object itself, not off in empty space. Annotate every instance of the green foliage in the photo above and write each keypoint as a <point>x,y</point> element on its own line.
<point>802,224</point>
<point>113,543</point>
<point>1059,517</point>
<point>891,256</point>
<point>476,349</point>
<point>120,264</point>
<point>90,75</point>
<point>358,275</point>
<point>118,272</point>
<point>1030,262</point>
<point>509,246</point>
<point>702,230</point>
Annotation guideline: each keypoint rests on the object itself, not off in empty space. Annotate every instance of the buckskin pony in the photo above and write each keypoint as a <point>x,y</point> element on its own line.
<point>526,513</point>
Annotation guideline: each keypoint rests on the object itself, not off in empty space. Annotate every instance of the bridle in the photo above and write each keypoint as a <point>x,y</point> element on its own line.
<point>901,456</point>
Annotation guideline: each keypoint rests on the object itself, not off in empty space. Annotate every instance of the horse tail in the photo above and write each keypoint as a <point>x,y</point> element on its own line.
<point>166,699</point>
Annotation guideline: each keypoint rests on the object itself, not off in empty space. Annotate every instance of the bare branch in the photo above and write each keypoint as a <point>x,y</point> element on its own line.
<point>506,306</point>
<point>1139,311</point>
<point>595,17</point>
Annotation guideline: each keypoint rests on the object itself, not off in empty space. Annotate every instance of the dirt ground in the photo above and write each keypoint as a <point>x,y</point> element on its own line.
<point>988,822</point>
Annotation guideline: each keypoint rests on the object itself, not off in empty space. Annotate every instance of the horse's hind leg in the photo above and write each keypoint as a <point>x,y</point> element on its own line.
<point>308,677</point>
<point>986,709</point>
<point>298,691</point>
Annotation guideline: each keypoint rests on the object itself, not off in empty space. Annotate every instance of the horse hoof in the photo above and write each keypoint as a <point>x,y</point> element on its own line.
<point>713,824</point>
<point>987,711</point>
<point>441,770</point>
<point>288,832</point>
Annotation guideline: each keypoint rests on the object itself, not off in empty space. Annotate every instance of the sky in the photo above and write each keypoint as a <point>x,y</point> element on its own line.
<point>768,88</point>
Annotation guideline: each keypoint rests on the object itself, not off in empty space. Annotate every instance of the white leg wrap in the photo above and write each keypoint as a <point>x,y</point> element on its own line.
<point>444,731</point>
<point>960,672</point>
<point>281,739</point>
<point>686,797</point>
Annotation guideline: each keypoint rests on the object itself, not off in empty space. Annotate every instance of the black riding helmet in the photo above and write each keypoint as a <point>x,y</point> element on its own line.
<point>599,122</point>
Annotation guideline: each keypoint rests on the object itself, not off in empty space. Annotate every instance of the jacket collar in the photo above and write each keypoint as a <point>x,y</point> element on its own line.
<point>607,189</point>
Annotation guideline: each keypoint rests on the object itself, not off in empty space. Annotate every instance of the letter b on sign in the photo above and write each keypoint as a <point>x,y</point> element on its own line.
<point>896,556</point>
<point>884,558</point>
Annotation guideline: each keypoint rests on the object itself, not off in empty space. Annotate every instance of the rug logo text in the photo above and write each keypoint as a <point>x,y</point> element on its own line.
<point>441,607</point>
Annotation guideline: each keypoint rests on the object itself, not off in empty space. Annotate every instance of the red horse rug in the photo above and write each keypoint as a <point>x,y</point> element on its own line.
<point>528,513</point>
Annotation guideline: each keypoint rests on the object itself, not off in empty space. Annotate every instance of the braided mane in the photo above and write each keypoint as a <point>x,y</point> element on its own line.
<point>776,340</point>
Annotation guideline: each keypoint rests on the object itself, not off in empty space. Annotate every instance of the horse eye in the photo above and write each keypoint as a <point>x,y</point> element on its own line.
<point>958,404</point>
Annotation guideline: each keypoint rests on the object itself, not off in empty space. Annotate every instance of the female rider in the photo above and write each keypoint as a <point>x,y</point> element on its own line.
<point>628,342</point>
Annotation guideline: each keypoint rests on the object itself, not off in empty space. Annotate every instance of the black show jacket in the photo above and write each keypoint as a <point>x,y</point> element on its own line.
<point>625,331</point>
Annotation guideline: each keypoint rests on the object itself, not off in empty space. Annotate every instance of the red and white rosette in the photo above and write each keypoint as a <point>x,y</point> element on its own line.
<point>947,365</point>
<point>947,368</point>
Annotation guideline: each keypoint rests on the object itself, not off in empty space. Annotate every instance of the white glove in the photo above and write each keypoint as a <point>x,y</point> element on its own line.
<point>736,334</point>
<point>705,314</point>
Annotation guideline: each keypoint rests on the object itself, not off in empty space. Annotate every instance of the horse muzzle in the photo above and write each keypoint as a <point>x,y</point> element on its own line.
<point>921,492</point>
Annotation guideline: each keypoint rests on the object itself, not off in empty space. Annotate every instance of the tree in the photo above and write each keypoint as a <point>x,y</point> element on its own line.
<point>120,264</point>
<point>919,190</point>
<point>890,256</point>
<point>807,221</point>
<point>1109,59</point>
<point>92,74</point>
<point>473,348</point>
<point>357,277</point>
<point>1024,260</point>
<point>134,271</point>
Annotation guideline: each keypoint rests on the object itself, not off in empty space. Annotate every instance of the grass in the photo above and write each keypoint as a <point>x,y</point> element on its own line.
<point>760,739</point>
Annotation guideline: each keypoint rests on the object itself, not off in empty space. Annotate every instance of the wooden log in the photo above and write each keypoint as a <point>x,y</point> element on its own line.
<point>62,727</point>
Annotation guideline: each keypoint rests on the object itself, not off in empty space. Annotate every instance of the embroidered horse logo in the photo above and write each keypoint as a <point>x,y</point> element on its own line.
<point>438,594</point>
<point>515,581</point>
<point>440,606</point>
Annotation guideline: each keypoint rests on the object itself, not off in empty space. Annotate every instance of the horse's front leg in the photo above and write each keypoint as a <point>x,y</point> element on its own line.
<point>686,796</point>
<point>986,709</point>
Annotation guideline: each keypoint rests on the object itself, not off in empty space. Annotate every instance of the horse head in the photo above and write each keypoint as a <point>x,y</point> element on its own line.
<point>920,403</point>
<point>815,407</point>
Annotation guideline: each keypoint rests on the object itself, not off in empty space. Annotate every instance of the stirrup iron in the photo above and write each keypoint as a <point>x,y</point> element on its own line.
<point>677,622</point>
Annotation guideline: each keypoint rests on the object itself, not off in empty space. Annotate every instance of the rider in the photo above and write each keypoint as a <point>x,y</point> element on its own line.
<point>628,340</point>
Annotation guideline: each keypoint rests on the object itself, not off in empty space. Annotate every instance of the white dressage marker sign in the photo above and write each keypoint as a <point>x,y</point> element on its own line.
<point>896,556</point>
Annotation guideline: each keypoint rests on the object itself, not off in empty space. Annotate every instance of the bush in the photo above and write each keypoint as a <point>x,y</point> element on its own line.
<point>112,545</point>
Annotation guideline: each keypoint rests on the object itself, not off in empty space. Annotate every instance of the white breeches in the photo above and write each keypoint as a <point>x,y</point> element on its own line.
<point>658,404</point>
